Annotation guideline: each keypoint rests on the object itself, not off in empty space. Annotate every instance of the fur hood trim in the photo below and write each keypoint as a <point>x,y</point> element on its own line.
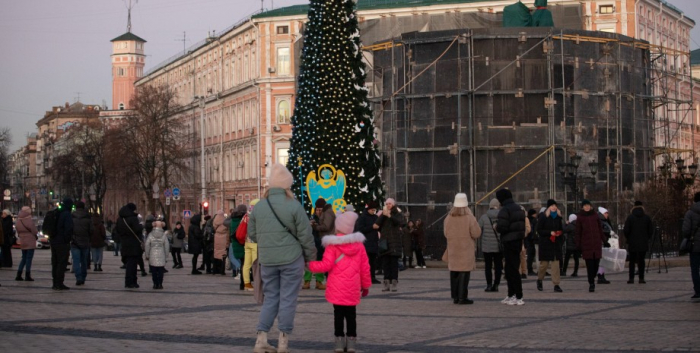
<point>343,239</point>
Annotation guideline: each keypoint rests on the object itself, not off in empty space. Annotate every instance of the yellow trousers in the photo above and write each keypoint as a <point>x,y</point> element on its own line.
<point>251,254</point>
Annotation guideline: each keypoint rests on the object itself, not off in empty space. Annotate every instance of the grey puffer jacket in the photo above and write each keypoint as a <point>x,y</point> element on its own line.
<point>177,242</point>
<point>82,229</point>
<point>691,226</point>
<point>157,248</point>
<point>489,241</point>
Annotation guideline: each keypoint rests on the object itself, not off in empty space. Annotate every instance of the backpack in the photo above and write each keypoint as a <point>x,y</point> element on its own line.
<point>209,232</point>
<point>242,230</point>
<point>50,226</point>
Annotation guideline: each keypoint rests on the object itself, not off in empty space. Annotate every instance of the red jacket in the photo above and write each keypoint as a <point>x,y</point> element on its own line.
<point>348,276</point>
<point>589,235</point>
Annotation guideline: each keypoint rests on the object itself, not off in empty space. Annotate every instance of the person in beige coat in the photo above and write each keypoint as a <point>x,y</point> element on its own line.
<point>461,230</point>
<point>27,232</point>
<point>221,243</point>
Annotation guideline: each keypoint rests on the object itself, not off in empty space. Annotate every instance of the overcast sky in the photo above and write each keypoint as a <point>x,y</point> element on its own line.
<point>53,52</point>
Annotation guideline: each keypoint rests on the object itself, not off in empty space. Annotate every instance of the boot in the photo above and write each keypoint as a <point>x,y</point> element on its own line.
<point>261,345</point>
<point>591,287</point>
<point>339,345</point>
<point>386,286</point>
<point>488,287</point>
<point>394,284</point>
<point>641,279</point>
<point>375,280</point>
<point>558,289</point>
<point>307,285</point>
<point>19,276</point>
<point>463,289</point>
<point>29,278</point>
<point>494,288</point>
<point>100,267</point>
<point>575,274</point>
<point>539,285</point>
<point>283,343</point>
<point>602,280</point>
<point>320,286</point>
<point>351,344</point>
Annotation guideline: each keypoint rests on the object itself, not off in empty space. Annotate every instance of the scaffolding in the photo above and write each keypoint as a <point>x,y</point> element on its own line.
<point>465,110</point>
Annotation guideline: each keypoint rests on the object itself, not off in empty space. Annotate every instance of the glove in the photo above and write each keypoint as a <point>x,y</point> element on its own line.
<point>365,292</point>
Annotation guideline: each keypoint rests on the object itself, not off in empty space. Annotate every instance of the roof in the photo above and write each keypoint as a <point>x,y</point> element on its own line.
<point>128,36</point>
<point>364,5</point>
<point>695,57</point>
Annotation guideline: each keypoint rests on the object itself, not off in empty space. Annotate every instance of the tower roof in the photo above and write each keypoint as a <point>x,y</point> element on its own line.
<point>128,36</point>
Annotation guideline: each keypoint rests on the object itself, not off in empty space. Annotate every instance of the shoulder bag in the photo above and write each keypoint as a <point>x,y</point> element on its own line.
<point>143,247</point>
<point>498,239</point>
<point>283,225</point>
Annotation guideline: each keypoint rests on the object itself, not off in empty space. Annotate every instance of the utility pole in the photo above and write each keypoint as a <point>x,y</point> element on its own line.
<point>184,42</point>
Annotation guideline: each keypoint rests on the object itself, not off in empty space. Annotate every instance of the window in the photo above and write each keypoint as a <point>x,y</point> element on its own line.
<point>282,155</point>
<point>283,112</point>
<point>122,72</point>
<point>283,61</point>
<point>606,9</point>
<point>121,106</point>
<point>283,30</point>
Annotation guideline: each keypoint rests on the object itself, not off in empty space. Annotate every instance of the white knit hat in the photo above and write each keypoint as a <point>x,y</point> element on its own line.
<point>461,200</point>
<point>572,217</point>
<point>602,210</point>
<point>280,177</point>
<point>345,222</point>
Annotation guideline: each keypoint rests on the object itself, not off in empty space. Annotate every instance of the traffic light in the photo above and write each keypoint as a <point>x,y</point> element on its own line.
<point>205,207</point>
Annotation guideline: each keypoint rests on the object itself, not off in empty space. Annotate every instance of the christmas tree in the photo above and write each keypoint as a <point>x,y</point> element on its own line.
<point>333,136</point>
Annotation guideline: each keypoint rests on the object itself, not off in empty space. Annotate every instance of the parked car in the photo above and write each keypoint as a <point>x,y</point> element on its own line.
<point>43,241</point>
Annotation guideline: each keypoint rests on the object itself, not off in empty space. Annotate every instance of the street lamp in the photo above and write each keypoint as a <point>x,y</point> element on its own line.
<point>570,177</point>
<point>201,138</point>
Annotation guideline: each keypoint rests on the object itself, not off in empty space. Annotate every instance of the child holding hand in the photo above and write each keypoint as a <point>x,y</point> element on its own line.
<point>347,265</point>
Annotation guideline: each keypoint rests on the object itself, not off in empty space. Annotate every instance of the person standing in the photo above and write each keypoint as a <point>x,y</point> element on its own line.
<point>130,230</point>
<point>589,240</point>
<point>461,232</point>
<point>116,239</point>
<point>97,242</point>
<point>251,247</point>
<point>531,241</point>
<point>80,246</point>
<point>9,238</point>
<point>571,250</point>
<point>490,246</point>
<point>511,228</point>
<point>550,228</point>
<point>27,233</point>
<point>194,241</point>
<point>689,230</point>
<point>281,228</point>
<point>176,248</point>
<point>418,235</point>
<point>407,242</point>
<point>157,248</point>
<point>237,247</point>
<point>364,225</point>
<point>60,244</point>
<point>208,233</point>
<point>389,225</point>
<point>639,229</point>
<point>322,224</point>
<point>603,215</point>
<point>221,243</point>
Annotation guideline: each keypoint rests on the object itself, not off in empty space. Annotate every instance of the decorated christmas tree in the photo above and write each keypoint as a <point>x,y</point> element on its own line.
<point>333,136</point>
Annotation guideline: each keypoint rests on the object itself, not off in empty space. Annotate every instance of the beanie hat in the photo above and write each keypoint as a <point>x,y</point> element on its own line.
<point>391,201</point>
<point>349,208</point>
<point>280,177</point>
<point>551,202</point>
<point>585,202</point>
<point>503,194</point>
<point>602,210</point>
<point>638,203</point>
<point>320,202</point>
<point>531,212</point>
<point>345,223</point>
<point>130,206</point>
<point>572,217</point>
<point>372,205</point>
<point>241,209</point>
<point>461,200</point>
<point>254,202</point>
<point>494,203</point>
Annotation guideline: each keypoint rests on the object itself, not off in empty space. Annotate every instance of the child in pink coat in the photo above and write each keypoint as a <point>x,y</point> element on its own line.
<point>347,265</point>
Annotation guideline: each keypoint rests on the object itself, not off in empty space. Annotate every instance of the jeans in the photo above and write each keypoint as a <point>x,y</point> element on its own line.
<point>235,263</point>
<point>511,251</point>
<point>27,256</point>
<point>695,271</point>
<point>59,261</point>
<point>80,262</point>
<point>493,260</point>
<point>195,257</point>
<point>390,265</point>
<point>177,258</point>
<point>96,255</point>
<point>372,258</point>
<point>592,269</point>
<point>576,254</point>
<point>459,285</point>
<point>251,254</point>
<point>637,258</point>
<point>157,273</point>
<point>281,286</point>
<point>341,314</point>
<point>130,278</point>
<point>117,248</point>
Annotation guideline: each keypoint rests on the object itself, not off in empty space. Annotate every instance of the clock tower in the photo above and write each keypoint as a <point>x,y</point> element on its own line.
<point>128,61</point>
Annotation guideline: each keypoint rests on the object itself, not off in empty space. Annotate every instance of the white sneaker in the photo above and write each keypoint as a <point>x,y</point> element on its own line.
<point>417,266</point>
<point>508,300</point>
<point>424,267</point>
<point>516,302</point>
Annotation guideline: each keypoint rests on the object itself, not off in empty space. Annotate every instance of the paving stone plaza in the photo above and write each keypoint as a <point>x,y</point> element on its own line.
<point>209,314</point>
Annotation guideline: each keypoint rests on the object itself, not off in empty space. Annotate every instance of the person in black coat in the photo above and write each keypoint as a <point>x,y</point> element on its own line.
<point>131,233</point>
<point>511,227</point>
<point>530,241</point>
<point>9,235</point>
<point>60,244</point>
<point>364,225</point>
<point>638,231</point>
<point>571,250</point>
<point>389,225</point>
<point>689,230</point>
<point>550,228</point>
<point>194,241</point>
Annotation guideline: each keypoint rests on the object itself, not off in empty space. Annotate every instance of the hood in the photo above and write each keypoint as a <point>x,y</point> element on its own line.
<point>196,219</point>
<point>540,3</point>
<point>638,211</point>
<point>81,213</point>
<point>157,233</point>
<point>503,194</point>
<point>126,212</point>
<point>492,213</point>
<point>349,244</point>
<point>67,204</point>
<point>25,213</point>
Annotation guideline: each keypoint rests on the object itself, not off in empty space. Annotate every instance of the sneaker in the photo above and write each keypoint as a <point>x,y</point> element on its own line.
<point>517,302</point>
<point>425,267</point>
<point>508,300</point>
<point>417,266</point>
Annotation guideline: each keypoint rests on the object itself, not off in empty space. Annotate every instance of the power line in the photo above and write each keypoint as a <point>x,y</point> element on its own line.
<point>19,112</point>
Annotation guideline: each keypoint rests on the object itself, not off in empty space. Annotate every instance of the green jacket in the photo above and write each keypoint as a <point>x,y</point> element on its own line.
<point>238,249</point>
<point>276,246</point>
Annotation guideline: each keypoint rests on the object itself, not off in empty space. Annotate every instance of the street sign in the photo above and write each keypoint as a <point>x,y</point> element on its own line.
<point>167,193</point>
<point>176,198</point>
<point>176,192</point>
<point>167,201</point>
<point>186,213</point>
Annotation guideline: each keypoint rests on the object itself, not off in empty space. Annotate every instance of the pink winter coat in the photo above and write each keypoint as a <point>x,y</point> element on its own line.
<point>26,230</point>
<point>348,276</point>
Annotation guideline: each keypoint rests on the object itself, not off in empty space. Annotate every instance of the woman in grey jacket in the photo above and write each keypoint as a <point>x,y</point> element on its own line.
<point>282,230</point>
<point>493,257</point>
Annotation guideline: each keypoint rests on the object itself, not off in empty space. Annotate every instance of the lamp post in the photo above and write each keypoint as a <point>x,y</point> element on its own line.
<point>570,177</point>
<point>201,138</point>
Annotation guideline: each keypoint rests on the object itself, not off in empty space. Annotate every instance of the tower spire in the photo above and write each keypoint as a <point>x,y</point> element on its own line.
<point>129,7</point>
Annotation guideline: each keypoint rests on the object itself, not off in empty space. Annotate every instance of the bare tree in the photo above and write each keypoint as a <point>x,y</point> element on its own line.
<point>5,142</point>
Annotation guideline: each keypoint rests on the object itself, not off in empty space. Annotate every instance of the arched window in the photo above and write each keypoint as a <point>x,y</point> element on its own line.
<point>121,106</point>
<point>283,112</point>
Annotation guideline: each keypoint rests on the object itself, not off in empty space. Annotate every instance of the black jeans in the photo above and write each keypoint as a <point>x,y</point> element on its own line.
<point>59,261</point>
<point>576,254</point>
<point>390,265</point>
<point>420,261</point>
<point>459,285</point>
<point>177,258</point>
<point>637,258</point>
<point>592,269</point>
<point>141,264</point>
<point>341,314</point>
<point>493,260</point>
<point>157,273</point>
<point>207,258</point>
<point>195,257</point>
<point>131,278</point>
<point>531,252</point>
<point>372,257</point>
<point>512,251</point>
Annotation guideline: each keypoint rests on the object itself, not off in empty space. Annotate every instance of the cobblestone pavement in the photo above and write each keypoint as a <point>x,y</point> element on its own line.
<point>208,313</point>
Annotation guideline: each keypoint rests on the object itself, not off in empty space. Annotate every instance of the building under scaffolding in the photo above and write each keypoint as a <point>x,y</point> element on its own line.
<point>478,109</point>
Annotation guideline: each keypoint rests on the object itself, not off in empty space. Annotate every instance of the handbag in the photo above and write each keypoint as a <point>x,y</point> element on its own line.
<point>498,239</point>
<point>143,247</point>
<point>383,245</point>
